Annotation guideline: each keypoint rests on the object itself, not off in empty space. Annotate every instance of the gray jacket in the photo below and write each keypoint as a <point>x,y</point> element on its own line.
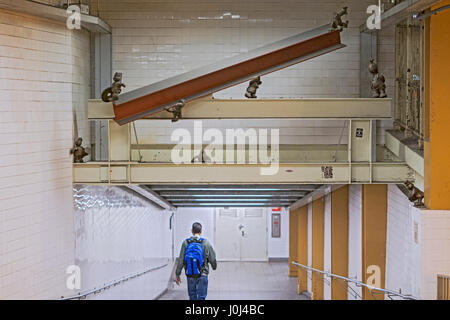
<point>208,253</point>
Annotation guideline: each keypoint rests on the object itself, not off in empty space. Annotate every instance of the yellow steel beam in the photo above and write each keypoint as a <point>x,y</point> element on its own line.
<point>118,173</point>
<point>208,108</point>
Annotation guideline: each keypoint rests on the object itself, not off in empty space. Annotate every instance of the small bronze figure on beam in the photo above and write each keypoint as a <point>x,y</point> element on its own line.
<point>176,110</point>
<point>252,87</point>
<point>415,195</point>
<point>78,151</point>
<point>112,93</point>
<point>338,24</point>
<point>378,85</point>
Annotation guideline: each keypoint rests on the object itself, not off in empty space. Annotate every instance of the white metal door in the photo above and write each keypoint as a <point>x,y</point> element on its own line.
<point>241,234</point>
<point>227,242</point>
<point>254,234</point>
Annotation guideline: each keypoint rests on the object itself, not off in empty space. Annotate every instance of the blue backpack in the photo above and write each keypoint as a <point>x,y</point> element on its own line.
<point>193,257</point>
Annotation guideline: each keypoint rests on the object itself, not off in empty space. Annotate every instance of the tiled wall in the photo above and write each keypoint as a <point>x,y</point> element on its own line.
<point>42,89</point>
<point>153,40</point>
<point>403,246</point>
<point>354,237</point>
<point>435,238</point>
<point>119,233</point>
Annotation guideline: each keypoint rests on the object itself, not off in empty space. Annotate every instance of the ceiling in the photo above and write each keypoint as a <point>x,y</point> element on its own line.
<point>232,195</point>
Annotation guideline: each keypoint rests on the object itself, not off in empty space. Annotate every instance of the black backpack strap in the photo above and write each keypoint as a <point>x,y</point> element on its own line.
<point>193,239</point>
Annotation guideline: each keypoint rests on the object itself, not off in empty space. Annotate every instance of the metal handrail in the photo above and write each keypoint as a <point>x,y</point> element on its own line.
<point>353,292</point>
<point>95,290</point>
<point>358,283</point>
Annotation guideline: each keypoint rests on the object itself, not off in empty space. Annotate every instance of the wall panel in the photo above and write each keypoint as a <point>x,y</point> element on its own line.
<point>318,221</point>
<point>374,225</point>
<point>44,85</point>
<point>293,241</point>
<point>339,241</point>
<point>302,247</point>
<point>354,239</point>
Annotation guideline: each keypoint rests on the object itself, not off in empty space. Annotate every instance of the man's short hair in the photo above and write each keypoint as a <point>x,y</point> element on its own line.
<point>196,228</point>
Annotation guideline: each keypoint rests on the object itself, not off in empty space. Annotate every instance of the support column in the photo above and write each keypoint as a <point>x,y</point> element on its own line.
<point>374,224</point>
<point>339,242</point>
<point>302,247</point>
<point>318,224</point>
<point>119,142</point>
<point>293,241</point>
<point>101,78</point>
<point>437,83</point>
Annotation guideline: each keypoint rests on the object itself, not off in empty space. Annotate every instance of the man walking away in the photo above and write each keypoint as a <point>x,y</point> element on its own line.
<point>195,254</point>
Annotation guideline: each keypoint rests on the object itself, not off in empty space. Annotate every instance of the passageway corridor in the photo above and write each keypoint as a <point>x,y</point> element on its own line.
<point>304,144</point>
<point>245,281</point>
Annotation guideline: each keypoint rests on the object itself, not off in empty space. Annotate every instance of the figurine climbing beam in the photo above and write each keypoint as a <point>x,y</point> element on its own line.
<point>142,102</point>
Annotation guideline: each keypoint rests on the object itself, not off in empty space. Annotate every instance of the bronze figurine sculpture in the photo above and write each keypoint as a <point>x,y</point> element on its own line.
<point>252,87</point>
<point>338,24</point>
<point>112,93</point>
<point>201,158</point>
<point>415,195</point>
<point>78,151</point>
<point>378,85</point>
<point>176,110</point>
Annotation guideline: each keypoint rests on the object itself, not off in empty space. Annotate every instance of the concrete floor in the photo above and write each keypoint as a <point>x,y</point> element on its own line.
<point>245,281</point>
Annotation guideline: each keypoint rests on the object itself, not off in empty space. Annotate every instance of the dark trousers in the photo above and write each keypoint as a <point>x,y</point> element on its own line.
<point>197,288</point>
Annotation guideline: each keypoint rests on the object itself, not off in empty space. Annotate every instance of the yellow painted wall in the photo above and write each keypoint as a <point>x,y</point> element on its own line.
<point>437,144</point>
<point>293,241</point>
<point>339,242</point>
<point>302,247</point>
<point>374,224</point>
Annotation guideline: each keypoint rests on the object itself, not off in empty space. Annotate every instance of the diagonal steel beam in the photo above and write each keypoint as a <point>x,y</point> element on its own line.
<point>201,82</point>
